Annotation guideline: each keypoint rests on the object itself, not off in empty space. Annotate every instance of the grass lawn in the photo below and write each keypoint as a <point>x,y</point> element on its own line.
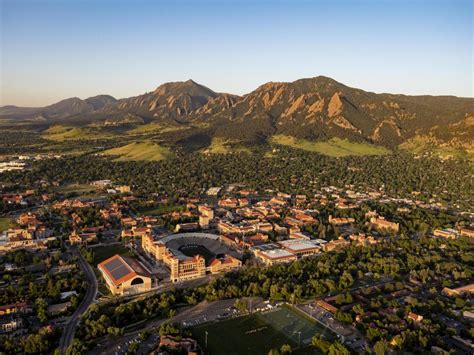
<point>156,211</point>
<point>59,133</point>
<point>79,189</point>
<point>334,147</point>
<point>224,146</point>
<point>104,252</point>
<point>259,333</point>
<point>156,127</point>
<point>4,223</point>
<point>140,151</point>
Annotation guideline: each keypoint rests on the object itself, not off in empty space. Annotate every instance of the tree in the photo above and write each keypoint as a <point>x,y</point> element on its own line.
<point>381,347</point>
<point>132,348</point>
<point>398,341</point>
<point>358,309</point>
<point>144,335</point>
<point>459,302</point>
<point>241,305</point>
<point>76,348</point>
<point>337,348</point>
<point>285,349</point>
<point>41,309</point>
<point>36,343</point>
<point>319,343</point>
<point>343,317</point>
<point>115,331</point>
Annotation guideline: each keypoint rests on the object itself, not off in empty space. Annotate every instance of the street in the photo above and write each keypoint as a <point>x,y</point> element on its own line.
<point>70,328</point>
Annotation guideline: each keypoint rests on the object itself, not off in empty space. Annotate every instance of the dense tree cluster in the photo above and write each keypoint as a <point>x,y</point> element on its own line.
<point>43,341</point>
<point>289,170</point>
<point>25,286</point>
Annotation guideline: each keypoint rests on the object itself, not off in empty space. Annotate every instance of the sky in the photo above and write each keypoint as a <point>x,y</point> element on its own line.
<point>55,49</point>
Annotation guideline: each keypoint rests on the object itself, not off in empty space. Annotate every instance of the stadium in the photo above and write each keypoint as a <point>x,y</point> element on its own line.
<point>192,255</point>
<point>191,244</point>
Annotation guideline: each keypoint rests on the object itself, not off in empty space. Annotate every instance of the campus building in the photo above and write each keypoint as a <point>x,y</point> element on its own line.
<point>336,244</point>
<point>272,254</point>
<point>450,292</point>
<point>206,216</point>
<point>124,276</point>
<point>341,221</point>
<point>382,224</point>
<point>82,238</point>
<point>224,263</point>
<point>300,248</point>
<point>447,233</point>
<point>183,267</point>
<point>467,232</point>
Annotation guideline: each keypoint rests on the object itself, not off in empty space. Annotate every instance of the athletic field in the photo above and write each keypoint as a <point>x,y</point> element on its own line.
<point>258,333</point>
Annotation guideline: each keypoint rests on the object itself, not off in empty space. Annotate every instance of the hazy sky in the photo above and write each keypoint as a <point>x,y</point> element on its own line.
<point>51,50</point>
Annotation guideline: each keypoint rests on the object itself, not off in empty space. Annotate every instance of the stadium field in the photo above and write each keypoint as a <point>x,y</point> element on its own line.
<point>290,322</point>
<point>259,332</point>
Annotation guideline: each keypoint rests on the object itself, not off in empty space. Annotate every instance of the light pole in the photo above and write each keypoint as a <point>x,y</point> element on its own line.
<point>206,339</point>
<point>299,339</point>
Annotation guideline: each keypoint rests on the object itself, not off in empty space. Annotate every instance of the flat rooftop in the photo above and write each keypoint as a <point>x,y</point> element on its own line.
<point>267,247</point>
<point>299,245</point>
<point>277,254</point>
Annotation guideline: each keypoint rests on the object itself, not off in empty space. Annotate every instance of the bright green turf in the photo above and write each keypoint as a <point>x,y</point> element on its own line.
<point>258,333</point>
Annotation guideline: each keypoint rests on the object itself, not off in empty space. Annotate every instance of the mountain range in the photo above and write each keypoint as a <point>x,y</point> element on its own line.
<point>313,109</point>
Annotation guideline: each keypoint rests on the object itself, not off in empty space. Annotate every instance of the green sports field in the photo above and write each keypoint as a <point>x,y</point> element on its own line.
<point>259,332</point>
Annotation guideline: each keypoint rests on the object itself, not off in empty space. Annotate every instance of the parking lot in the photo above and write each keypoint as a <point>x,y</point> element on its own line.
<point>348,334</point>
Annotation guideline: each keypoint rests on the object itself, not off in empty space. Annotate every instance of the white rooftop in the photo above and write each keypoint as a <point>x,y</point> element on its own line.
<point>297,244</point>
<point>320,241</point>
<point>276,253</point>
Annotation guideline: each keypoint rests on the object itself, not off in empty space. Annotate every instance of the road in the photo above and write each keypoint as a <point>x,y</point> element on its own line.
<point>70,328</point>
<point>22,210</point>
